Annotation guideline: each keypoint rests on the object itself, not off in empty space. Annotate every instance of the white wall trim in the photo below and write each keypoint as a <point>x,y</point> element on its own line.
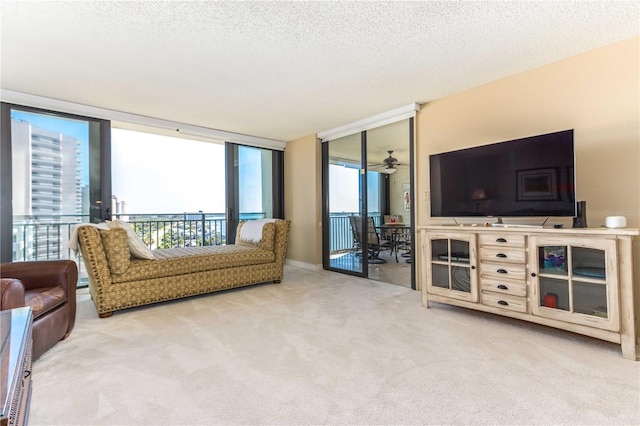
<point>374,121</point>
<point>35,101</point>
<point>303,265</point>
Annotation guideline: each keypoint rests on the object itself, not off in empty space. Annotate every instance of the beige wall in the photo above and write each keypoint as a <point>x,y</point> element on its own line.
<point>596,93</point>
<point>303,201</point>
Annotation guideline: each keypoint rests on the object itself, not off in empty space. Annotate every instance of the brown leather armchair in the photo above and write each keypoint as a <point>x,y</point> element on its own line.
<point>49,287</point>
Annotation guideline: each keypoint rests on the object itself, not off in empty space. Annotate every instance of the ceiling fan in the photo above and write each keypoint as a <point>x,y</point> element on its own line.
<point>389,164</point>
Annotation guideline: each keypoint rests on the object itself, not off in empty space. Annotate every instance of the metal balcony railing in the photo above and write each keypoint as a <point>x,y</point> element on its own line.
<point>340,234</point>
<point>180,230</point>
<point>46,237</point>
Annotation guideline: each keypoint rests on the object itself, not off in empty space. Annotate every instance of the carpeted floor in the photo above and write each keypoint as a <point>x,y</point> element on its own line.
<point>326,348</point>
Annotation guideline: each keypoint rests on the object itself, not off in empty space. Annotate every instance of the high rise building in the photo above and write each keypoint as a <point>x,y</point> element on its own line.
<point>46,186</point>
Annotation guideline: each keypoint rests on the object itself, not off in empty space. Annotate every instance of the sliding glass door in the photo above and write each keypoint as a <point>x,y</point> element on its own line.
<point>367,181</point>
<point>55,173</point>
<point>344,180</point>
<point>254,185</point>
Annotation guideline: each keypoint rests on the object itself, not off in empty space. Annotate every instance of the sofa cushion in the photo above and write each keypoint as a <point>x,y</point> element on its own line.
<point>116,248</point>
<point>137,247</point>
<point>45,299</point>
<point>268,235</point>
<point>186,260</point>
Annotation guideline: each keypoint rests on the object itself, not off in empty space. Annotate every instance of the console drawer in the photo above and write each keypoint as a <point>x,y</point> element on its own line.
<point>509,240</point>
<point>504,287</point>
<point>504,301</point>
<point>497,254</point>
<point>503,271</point>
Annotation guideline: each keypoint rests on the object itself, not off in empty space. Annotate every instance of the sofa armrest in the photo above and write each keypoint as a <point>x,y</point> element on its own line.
<point>11,294</point>
<point>281,240</point>
<point>95,258</point>
<point>43,273</point>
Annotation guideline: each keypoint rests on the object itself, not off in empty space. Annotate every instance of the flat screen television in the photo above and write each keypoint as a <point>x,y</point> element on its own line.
<point>528,177</point>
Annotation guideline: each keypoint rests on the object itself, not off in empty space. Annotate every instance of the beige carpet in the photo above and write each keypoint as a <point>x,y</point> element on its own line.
<point>326,348</point>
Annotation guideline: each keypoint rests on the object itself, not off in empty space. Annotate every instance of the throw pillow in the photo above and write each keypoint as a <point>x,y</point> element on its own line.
<point>137,247</point>
<point>116,248</point>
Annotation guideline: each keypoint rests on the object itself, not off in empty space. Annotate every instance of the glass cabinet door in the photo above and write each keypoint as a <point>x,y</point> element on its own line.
<point>575,280</point>
<point>451,266</point>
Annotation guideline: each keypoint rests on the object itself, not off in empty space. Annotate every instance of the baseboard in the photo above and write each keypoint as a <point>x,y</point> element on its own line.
<point>303,265</point>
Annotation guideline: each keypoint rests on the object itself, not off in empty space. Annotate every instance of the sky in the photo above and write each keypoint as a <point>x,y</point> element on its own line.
<point>74,128</point>
<point>343,187</point>
<point>162,174</point>
<point>151,173</point>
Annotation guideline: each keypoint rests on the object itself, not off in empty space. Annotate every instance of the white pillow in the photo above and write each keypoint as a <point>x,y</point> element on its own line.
<point>137,247</point>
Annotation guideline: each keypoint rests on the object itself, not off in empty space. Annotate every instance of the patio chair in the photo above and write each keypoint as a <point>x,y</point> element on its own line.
<point>373,239</point>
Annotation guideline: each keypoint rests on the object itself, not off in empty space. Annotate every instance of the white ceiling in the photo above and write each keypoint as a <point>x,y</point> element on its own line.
<point>283,70</point>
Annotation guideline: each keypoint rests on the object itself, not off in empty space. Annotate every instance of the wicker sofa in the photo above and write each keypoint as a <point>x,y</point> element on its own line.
<point>119,281</point>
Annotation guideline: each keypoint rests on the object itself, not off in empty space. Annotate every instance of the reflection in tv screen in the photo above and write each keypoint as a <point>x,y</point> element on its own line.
<point>533,176</point>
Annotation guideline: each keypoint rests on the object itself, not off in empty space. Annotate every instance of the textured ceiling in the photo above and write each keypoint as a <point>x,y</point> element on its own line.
<point>283,70</point>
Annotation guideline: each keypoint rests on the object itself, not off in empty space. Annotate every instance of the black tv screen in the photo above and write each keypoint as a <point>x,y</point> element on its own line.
<point>532,176</point>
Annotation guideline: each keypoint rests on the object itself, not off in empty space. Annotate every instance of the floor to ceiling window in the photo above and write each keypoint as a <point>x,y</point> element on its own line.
<point>52,179</point>
<point>179,192</point>
<point>170,189</point>
<point>59,170</point>
<point>255,183</point>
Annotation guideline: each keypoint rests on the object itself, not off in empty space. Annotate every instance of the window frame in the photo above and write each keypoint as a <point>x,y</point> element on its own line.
<point>99,160</point>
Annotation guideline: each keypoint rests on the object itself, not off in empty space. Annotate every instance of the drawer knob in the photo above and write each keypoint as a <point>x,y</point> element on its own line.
<point>501,240</point>
<point>503,287</point>
<point>502,255</point>
<point>503,303</point>
<point>501,271</point>
<point>533,274</point>
<point>473,267</point>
